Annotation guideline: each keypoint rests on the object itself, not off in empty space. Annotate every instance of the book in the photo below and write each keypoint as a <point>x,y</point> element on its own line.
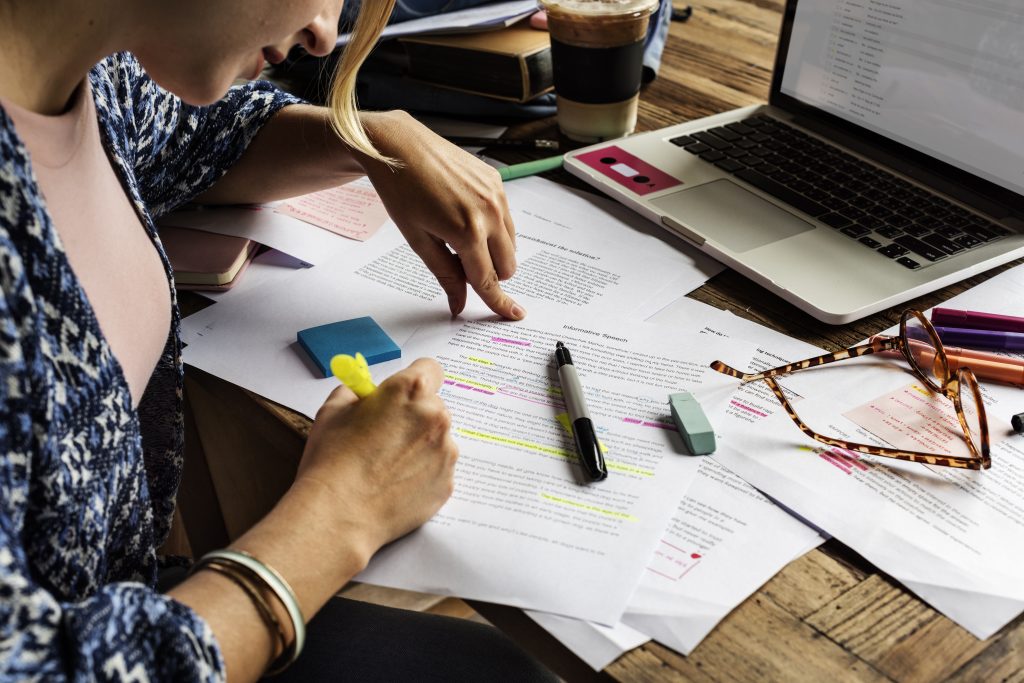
<point>513,63</point>
<point>205,260</point>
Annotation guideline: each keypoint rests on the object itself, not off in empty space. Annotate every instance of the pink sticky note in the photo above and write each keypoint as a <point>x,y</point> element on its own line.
<point>913,418</point>
<point>353,210</point>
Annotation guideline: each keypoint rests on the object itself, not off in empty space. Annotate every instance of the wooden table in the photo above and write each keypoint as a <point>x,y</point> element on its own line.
<point>828,616</point>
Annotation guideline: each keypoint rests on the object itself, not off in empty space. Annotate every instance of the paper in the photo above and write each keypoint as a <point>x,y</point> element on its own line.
<point>493,15</point>
<point>954,537</point>
<point>528,532</point>
<point>571,252</point>
<point>262,224</point>
<point>595,644</point>
<point>352,210</point>
<point>725,539</point>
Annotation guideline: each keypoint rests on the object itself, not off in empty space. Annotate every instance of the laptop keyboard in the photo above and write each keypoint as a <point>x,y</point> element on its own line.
<point>899,220</point>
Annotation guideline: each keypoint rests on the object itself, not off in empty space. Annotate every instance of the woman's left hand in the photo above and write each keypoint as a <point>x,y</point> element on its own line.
<point>443,196</point>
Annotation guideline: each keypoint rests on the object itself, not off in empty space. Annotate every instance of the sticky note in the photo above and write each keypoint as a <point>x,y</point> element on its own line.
<point>692,423</point>
<point>359,335</point>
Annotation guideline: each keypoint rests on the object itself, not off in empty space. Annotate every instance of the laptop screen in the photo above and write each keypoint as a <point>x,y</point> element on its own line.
<point>944,77</point>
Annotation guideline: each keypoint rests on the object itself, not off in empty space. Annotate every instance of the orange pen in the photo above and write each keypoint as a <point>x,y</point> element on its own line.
<point>988,366</point>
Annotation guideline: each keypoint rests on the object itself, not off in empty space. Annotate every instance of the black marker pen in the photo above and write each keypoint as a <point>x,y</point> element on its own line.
<point>582,427</point>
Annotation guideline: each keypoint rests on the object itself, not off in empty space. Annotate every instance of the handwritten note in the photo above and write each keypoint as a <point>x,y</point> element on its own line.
<point>912,417</point>
<point>353,210</point>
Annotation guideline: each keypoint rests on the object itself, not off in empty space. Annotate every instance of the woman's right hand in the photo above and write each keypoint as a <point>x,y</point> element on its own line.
<point>388,459</point>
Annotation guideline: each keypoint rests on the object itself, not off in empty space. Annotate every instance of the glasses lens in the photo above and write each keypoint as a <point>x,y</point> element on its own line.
<point>974,409</point>
<point>923,353</point>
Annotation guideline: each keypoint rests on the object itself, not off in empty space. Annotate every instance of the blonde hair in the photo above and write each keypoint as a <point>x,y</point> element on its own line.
<point>373,17</point>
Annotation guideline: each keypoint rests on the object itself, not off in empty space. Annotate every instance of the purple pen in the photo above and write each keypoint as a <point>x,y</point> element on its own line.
<point>981,339</point>
<point>973,320</point>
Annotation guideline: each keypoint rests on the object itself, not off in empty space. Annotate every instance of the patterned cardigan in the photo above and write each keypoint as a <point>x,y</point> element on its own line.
<point>87,483</point>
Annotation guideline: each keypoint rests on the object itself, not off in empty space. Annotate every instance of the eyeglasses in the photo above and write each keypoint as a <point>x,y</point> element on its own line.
<point>920,345</point>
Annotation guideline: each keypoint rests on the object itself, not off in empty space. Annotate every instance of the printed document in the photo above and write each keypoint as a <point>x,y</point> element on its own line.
<point>954,537</point>
<point>572,253</point>
<point>724,541</point>
<point>523,527</point>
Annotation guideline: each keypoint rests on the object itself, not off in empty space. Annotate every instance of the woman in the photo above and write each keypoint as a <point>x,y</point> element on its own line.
<point>93,145</point>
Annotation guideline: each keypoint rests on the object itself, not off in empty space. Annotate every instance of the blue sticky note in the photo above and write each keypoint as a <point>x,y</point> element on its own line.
<point>362,335</point>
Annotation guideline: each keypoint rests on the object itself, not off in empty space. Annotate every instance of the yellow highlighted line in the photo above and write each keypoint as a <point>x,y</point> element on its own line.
<point>589,508</point>
<point>920,390</point>
<point>619,467</point>
<point>481,361</point>
<point>547,450</point>
<point>472,383</point>
<point>558,452</point>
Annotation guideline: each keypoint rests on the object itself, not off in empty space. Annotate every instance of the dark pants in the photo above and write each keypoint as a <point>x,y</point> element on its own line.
<point>357,641</point>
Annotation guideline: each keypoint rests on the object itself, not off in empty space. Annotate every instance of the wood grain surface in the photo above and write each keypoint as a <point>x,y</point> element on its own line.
<point>829,616</point>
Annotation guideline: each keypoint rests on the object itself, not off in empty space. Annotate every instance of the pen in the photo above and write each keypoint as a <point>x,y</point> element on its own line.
<point>981,339</point>
<point>530,168</point>
<point>506,143</point>
<point>582,427</point>
<point>987,366</point>
<point>952,317</point>
<point>353,373</point>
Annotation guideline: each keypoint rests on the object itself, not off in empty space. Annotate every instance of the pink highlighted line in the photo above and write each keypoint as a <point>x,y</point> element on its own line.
<point>514,342</point>
<point>632,420</point>
<point>828,457</point>
<point>748,409</point>
<point>660,425</point>
<point>848,457</point>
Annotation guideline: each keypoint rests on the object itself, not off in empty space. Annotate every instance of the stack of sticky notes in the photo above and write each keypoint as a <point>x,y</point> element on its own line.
<point>359,335</point>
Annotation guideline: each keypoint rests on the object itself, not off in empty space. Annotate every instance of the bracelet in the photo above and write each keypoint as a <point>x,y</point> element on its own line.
<point>266,614</point>
<point>275,583</point>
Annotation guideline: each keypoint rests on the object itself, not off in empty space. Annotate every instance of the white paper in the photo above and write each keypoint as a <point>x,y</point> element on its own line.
<point>954,537</point>
<point>262,224</point>
<point>569,250</point>
<point>528,533</point>
<point>492,15</point>
<point>725,539</point>
<point>595,644</point>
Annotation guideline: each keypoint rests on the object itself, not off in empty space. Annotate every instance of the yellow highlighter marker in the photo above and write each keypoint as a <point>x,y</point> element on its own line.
<point>353,373</point>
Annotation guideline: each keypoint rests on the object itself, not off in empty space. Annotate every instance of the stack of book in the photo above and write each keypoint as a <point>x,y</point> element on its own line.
<point>512,64</point>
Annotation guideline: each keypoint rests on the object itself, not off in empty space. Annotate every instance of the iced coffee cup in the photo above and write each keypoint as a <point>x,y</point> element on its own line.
<point>597,49</point>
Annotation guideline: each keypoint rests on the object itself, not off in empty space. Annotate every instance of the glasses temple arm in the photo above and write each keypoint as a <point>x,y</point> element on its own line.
<point>875,345</point>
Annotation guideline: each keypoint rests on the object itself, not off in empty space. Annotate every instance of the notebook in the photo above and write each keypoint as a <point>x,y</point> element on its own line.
<point>205,260</point>
<point>888,163</point>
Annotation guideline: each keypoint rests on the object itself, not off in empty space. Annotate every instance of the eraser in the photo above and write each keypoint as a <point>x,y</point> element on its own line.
<point>692,423</point>
<point>359,335</point>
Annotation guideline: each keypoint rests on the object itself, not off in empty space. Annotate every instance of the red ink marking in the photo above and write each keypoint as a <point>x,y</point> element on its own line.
<point>695,556</point>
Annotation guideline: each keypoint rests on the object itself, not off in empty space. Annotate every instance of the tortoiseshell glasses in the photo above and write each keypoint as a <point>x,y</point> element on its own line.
<point>920,345</point>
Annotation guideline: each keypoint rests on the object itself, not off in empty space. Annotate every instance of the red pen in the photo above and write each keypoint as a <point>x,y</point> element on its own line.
<point>951,317</point>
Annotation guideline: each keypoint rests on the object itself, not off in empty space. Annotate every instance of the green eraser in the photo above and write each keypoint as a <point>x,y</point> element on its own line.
<point>692,423</point>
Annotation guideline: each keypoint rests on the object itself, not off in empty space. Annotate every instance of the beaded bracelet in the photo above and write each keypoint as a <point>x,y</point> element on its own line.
<point>275,583</point>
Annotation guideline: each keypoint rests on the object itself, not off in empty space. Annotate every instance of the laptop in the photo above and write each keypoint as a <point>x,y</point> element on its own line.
<point>888,163</point>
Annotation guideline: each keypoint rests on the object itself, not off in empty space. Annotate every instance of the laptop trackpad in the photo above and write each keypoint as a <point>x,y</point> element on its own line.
<point>730,215</point>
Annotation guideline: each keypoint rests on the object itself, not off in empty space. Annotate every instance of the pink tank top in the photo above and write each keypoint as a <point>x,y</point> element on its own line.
<point>108,248</point>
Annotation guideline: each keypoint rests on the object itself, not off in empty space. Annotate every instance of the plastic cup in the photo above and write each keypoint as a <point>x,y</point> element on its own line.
<point>597,49</point>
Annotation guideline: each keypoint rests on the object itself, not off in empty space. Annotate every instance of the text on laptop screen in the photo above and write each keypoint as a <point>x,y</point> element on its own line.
<point>945,77</point>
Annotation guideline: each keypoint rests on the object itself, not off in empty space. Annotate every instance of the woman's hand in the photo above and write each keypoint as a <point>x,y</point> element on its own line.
<point>388,459</point>
<point>443,196</point>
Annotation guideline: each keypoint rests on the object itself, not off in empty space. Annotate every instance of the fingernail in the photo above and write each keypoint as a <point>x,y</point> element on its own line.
<point>518,312</point>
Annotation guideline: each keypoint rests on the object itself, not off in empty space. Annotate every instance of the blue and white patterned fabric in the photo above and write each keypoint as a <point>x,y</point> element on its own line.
<point>87,483</point>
